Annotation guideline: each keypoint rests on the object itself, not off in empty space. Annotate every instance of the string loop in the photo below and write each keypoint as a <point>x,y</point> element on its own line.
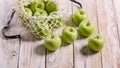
<point>77,3</point>
<point>7,26</point>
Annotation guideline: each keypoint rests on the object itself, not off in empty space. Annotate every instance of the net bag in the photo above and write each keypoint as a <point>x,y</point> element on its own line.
<point>40,26</point>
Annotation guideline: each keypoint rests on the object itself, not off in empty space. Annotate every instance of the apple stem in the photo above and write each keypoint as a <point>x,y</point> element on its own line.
<point>52,36</point>
<point>97,37</point>
<point>88,24</point>
<point>71,30</point>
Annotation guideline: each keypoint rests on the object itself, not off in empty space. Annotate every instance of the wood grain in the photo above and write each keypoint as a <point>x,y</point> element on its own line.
<point>117,13</point>
<point>32,55</point>
<point>9,49</point>
<point>117,10</point>
<point>108,28</point>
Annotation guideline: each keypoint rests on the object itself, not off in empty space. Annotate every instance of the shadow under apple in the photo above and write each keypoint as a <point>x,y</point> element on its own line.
<point>85,50</point>
<point>80,36</point>
<point>64,44</point>
<point>40,50</point>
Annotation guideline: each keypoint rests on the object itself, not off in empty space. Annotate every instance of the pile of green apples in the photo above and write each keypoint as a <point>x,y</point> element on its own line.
<point>41,8</point>
<point>69,34</point>
<point>42,17</point>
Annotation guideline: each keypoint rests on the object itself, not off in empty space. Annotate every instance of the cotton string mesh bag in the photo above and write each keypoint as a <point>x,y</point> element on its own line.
<point>40,26</point>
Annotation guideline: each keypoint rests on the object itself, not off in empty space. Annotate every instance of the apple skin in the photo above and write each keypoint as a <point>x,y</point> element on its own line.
<point>52,42</point>
<point>51,6</point>
<point>40,12</point>
<point>69,34</point>
<point>96,43</point>
<point>37,4</point>
<point>41,4</point>
<point>78,16</point>
<point>53,13</point>
<point>40,30</point>
<point>33,6</point>
<point>86,28</point>
<point>28,11</point>
<point>28,5</point>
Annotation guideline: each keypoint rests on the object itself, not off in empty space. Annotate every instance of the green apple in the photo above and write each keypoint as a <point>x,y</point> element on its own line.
<point>53,13</point>
<point>51,6</point>
<point>33,6</point>
<point>86,28</point>
<point>28,11</point>
<point>52,42</point>
<point>40,12</point>
<point>79,16</point>
<point>40,4</point>
<point>96,42</point>
<point>40,30</point>
<point>28,5</point>
<point>69,34</point>
<point>37,4</point>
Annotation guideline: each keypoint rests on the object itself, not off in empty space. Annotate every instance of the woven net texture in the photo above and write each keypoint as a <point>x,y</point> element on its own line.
<point>43,25</point>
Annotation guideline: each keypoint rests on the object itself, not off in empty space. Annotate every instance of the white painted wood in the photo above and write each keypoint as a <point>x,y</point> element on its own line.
<point>108,28</point>
<point>9,49</point>
<point>32,54</point>
<point>116,6</point>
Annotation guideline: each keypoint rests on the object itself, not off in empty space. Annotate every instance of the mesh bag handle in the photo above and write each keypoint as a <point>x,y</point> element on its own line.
<point>77,3</point>
<point>7,27</point>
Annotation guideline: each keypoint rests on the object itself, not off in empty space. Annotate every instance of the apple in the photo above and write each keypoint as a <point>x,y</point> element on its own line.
<point>28,11</point>
<point>78,16</point>
<point>86,28</point>
<point>51,6</point>
<point>40,12</point>
<point>96,42</point>
<point>33,6</point>
<point>28,5</point>
<point>53,13</point>
<point>40,4</point>
<point>39,29</point>
<point>52,42</point>
<point>37,4</point>
<point>69,34</point>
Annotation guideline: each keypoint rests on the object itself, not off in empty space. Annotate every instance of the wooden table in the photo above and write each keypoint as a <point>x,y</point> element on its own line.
<point>29,52</point>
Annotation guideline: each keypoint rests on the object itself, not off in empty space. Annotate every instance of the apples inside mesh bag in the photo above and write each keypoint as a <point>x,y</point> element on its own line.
<point>40,26</point>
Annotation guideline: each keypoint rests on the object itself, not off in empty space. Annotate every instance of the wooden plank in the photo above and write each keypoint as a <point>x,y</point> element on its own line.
<point>108,28</point>
<point>63,57</point>
<point>116,6</point>
<point>84,58</point>
<point>117,12</point>
<point>32,54</point>
<point>9,49</point>
<point>32,51</point>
